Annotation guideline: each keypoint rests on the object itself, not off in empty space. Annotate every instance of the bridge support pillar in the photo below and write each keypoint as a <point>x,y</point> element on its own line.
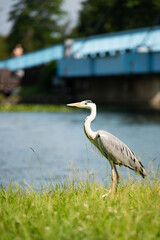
<point>138,91</point>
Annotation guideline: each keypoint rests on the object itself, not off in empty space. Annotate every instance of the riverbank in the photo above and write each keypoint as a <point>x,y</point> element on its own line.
<point>33,108</point>
<point>8,107</point>
<point>78,210</point>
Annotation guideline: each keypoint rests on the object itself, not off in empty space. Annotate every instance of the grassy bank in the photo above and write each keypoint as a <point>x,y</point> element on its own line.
<point>8,107</point>
<point>33,108</point>
<point>80,212</point>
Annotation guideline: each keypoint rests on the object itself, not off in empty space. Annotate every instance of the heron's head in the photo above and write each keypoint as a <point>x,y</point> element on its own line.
<point>84,104</point>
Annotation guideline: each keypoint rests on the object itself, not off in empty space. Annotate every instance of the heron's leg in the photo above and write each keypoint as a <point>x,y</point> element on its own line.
<point>113,177</point>
<point>117,176</point>
<point>113,181</point>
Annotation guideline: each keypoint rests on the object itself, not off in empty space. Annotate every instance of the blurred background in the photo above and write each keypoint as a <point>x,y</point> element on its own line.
<point>61,51</point>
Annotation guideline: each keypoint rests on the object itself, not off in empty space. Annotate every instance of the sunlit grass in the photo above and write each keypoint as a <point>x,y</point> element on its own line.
<point>78,210</point>
<point>33,107</point>
<point>9,107</point>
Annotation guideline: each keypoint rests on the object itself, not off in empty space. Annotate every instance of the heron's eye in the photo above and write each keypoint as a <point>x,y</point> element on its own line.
<point>85,103</point>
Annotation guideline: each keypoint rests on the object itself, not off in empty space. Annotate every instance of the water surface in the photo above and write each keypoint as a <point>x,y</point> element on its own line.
<point>47,147</point>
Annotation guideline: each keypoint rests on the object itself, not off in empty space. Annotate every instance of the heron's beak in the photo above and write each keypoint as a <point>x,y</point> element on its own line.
<point>78,104</point>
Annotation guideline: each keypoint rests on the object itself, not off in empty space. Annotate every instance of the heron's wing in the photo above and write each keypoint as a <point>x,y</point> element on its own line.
<point>118,152</point>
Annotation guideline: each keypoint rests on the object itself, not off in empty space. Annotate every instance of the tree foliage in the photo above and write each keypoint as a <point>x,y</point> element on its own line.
<point>105,16</point>
<point>4,53</point>
<point>36,23</point>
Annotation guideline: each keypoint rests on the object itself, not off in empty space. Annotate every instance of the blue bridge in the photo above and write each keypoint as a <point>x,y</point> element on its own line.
<point>126,52</point>
<point>33,59</point>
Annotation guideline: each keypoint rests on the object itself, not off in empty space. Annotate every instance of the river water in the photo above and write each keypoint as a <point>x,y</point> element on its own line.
<point>48,148</point>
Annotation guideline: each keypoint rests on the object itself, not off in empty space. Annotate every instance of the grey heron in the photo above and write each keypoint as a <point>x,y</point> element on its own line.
<point>112,148</point>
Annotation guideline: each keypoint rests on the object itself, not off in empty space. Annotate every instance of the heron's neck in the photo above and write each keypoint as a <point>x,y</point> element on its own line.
<point>87,124</point>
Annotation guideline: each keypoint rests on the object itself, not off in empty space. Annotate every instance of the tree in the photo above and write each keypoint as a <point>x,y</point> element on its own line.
<point>104,16</point>
<point>4,53</point>
<point>36,23</point>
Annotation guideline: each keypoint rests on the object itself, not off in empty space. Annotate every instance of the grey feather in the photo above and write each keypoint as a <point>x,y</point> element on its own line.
<point>118,152</point>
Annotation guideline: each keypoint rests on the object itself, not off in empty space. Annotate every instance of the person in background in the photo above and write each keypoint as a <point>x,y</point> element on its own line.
<point>18,52</point>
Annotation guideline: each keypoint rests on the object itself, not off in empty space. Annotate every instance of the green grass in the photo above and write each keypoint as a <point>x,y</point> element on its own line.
<point>34,108</point>
<point>78,211</point>
<point>10,107</point>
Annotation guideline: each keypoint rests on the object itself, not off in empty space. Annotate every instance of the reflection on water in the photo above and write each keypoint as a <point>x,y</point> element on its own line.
<point>49,146</point>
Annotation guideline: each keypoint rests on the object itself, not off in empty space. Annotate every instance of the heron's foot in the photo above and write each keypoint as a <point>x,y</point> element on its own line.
<point>106,194</point>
